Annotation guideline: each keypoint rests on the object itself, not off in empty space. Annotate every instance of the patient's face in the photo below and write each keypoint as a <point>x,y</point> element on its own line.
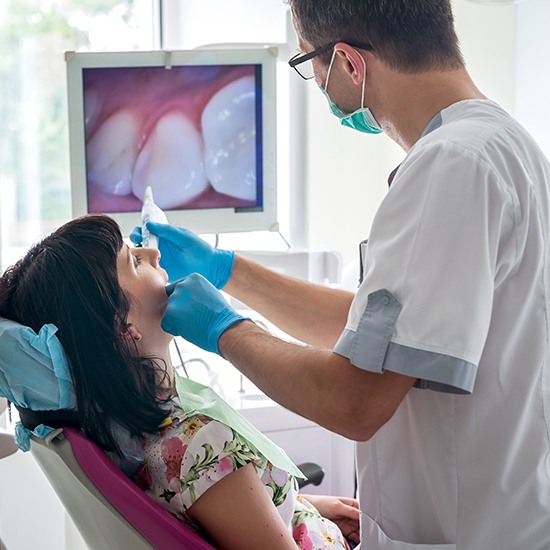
<point>143,282</point>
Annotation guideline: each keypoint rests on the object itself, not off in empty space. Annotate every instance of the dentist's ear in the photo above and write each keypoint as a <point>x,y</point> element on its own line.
<point>355,63</point>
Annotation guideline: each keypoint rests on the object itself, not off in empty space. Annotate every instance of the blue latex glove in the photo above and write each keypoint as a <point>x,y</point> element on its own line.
<point>198,312</point>
<point>183,253</point>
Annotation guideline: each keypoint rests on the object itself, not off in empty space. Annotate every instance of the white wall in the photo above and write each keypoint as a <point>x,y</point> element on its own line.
<point>533,76</point>
<point>195,23</point>
<point>488,39</point>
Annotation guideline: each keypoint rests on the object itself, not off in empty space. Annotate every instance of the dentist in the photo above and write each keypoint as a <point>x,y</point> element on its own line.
<point>439,365</point>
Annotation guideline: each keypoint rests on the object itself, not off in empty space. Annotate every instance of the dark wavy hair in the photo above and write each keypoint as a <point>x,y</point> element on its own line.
<point>409,35</point>
<point>70,279</point>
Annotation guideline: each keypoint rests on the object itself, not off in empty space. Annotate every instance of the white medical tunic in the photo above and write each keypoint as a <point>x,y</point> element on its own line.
<point>456,293</point>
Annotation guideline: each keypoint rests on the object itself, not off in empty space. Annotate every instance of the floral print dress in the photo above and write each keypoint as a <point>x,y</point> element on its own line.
<point>192,453</point>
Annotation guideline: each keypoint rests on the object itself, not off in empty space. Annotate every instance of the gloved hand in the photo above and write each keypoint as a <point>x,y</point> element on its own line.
<point>198,312</point>
<point>183,253</point>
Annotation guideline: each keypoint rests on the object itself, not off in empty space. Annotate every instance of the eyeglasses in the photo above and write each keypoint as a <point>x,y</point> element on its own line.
<point>305,60</point>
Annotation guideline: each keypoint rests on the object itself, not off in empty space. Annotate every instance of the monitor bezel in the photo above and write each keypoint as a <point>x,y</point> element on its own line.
<point>208,220</point>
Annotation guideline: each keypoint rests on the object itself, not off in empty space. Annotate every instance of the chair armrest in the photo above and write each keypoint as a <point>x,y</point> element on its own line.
<point>313,472</point>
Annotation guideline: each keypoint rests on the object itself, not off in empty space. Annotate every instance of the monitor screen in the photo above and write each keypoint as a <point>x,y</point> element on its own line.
<point>197,126</point>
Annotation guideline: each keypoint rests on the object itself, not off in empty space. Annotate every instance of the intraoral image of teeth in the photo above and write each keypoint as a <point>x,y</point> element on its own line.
<point>111,153</point>
<point>92,100</point>
<point>189,133</point>
<point>229,133</point>
<point>171,162</point>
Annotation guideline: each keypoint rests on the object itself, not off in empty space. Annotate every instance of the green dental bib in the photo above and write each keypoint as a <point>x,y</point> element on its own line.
<point>198,399</point>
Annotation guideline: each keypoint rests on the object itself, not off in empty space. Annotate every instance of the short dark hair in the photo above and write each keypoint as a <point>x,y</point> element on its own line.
<point>70,279</point>
<point>409,35</point>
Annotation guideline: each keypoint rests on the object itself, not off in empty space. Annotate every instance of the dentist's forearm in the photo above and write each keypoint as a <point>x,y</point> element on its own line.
<point>315,383</point>
<point>312,313</point>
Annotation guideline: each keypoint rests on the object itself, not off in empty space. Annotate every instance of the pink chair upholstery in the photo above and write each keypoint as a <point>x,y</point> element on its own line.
<point>109,510</point>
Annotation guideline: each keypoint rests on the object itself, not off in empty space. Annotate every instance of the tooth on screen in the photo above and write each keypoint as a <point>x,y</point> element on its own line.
<point>92,106</point>
<point>229,131</point>
<point>171,162</point>
<point>111,153</point>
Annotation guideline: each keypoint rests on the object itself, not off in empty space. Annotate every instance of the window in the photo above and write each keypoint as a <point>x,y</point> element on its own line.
<point>34,151</point>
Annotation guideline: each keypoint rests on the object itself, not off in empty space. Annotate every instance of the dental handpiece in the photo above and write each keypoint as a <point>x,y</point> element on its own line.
<point>150,212</point>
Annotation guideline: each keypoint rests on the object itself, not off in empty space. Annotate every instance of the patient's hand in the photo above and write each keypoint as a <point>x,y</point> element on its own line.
<point>341,510</point>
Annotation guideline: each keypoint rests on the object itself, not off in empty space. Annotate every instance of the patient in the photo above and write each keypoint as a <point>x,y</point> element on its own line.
<point>107,301</point>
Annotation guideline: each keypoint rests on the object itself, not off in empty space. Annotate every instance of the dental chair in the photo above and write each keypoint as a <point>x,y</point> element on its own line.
<point>109,510</point>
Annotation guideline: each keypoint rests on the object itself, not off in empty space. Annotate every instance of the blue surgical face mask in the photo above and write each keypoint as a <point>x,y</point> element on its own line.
<point>362,119</point>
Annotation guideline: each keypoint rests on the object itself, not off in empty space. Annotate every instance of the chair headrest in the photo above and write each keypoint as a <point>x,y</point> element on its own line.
<point>34,373</point>
<point>27,357</point>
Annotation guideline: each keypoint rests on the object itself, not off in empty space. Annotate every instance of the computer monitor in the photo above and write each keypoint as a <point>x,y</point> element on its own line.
<point>198,126</point>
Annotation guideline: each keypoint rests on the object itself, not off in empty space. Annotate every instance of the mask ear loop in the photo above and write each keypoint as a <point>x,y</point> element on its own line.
<point>329,69</point>
<point>364,78</point>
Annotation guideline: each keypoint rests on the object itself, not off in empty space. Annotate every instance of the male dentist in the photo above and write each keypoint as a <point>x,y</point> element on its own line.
<point>439,364</point>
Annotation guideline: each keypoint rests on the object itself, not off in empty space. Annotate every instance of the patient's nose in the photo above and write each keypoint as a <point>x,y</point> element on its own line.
<point>153,255</point>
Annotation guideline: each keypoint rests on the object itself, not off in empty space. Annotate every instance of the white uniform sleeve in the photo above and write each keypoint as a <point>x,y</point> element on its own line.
<point>437,245</point>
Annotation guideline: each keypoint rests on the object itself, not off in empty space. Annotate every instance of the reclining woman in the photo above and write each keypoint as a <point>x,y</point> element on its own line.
<point>107,300</point>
